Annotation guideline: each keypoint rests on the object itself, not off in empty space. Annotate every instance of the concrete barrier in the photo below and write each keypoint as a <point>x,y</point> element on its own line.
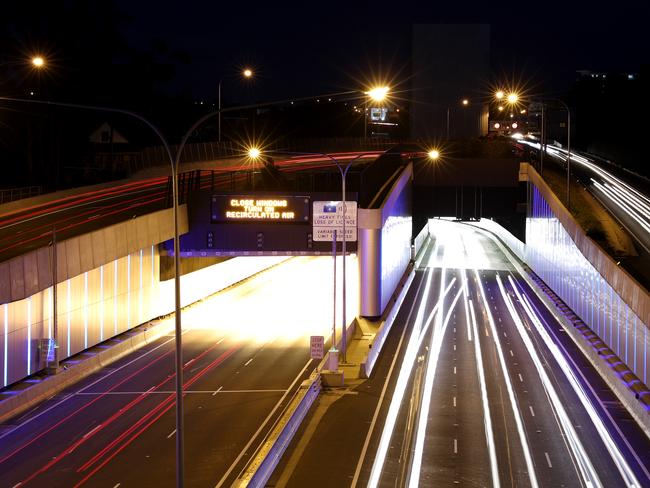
<point>378,343</point>
<point>261,467</point>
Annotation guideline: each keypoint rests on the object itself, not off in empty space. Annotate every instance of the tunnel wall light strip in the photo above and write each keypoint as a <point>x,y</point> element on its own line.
<point>29,336</point>
<point>6,342</point>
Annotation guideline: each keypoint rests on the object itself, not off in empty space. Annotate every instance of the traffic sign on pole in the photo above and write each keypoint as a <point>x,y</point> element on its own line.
<point>317,346</point>
<point>328,216</point>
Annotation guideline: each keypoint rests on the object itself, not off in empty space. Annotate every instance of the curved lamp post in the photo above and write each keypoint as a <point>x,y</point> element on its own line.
<point>177,301</point>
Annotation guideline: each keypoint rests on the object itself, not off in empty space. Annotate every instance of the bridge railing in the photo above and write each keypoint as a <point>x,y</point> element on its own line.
<point>11,194</point>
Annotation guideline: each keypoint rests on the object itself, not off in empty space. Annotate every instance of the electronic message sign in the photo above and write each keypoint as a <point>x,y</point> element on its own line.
<point>255,208</point>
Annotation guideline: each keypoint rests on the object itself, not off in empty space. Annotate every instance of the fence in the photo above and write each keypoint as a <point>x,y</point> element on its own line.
<point>11,194</point>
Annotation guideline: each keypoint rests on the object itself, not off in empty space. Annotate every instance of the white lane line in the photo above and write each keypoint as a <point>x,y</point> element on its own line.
<point>454,347</point>
<point>455,446</point>
<point>248,362</point>
<point>454,401</point>
<point>454,369</point>
<point>189,362</point>
<point>487,334</point>
<point>262,426</point>
<point>217,391</point>
<point>548,459</point>
<point>171,434</point>
<point>532,412</point>
<point>511,354</point>
<point>117,485</point>
<point>520,378</point>
<point>504,334</point>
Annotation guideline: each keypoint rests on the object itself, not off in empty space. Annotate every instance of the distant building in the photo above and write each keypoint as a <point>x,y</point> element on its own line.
<point>450,64</point>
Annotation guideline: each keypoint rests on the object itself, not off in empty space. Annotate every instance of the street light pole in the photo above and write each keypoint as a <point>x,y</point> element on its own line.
<point>247,73</point>
<point>178,330</point>
<point>568,146</point>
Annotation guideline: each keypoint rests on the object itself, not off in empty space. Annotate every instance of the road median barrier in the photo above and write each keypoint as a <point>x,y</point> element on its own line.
<point>261,467</point>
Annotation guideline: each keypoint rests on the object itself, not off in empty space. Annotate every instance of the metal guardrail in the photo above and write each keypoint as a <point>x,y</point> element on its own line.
<point>264,462</point>
<point>12,194</point>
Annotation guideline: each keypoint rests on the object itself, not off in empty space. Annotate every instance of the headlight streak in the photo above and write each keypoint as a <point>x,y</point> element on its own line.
<point>632,202</point>
<point>617,457</point>
<point>437,336</point>
<point>587,471</point>
<point>609,192</point>
<point>410,356</point>
<point>511,394</point>
<point>487,419</point>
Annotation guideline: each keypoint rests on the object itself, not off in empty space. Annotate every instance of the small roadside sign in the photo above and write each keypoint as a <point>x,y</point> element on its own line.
<point>317,346</point>
<point>328,216</point>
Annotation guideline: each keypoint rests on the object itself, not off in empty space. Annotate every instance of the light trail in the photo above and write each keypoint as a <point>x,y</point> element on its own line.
<point>410,356</point>
<point>487,419</point>
<point>617,457</point>
<point>586,468</point>
<point>631,201</point>
<point>511,393</point>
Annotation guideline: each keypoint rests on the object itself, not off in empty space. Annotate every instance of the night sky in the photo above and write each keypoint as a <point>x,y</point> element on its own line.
<point>310,47</point>
<point>305,48</point>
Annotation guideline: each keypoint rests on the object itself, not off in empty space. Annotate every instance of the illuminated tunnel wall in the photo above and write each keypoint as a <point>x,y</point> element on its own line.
<point>104,302</point>
<point>91,308</point>
<point>553,255</point>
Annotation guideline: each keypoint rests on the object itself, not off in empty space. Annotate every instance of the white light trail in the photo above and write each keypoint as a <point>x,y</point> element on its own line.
<point>617,457</point>
<point>586,468</point>
<point>487,419</point>
<point>410,356</point>
<point>511,393</point>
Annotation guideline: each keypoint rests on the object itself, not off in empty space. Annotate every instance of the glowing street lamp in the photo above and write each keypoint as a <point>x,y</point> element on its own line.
<point>254,153</point>
<point>499,95</point>
<point>376,94</point>
<point>433,155</point>
<point>247,73</point>
<point>512,98</point>
<point>465,102</point>
<point>38,61</point>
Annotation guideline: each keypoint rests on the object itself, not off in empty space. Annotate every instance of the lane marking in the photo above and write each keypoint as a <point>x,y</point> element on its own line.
<point>217,391</point>
<point>454,401</point>
<point>455,446</point>
<point>532,412</point>
<point>171,434</point>
<point>454,369</point>
<point>520,378</point>
<point>248,362</point>
<point>548,459</point>
<point>511,354</point>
